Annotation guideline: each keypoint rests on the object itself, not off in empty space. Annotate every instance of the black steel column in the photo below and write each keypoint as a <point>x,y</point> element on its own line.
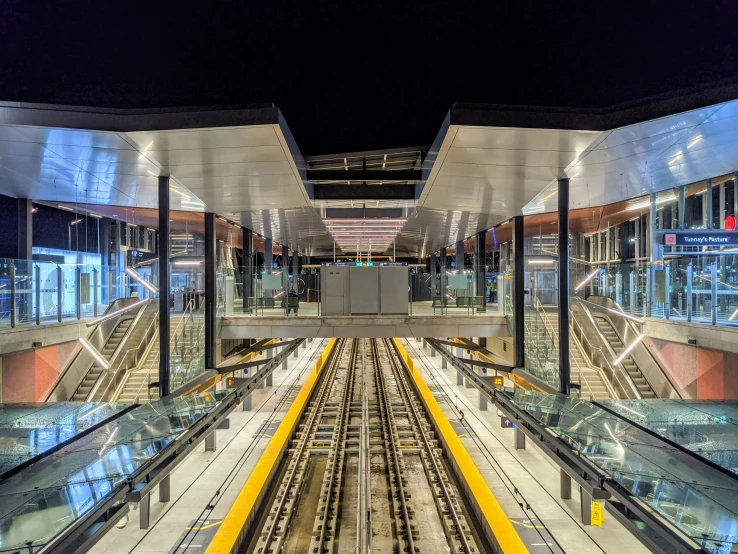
<point>247,271</point>
<point>25,229</point>
<point>434,278</point>
<point>164,310</point>
<point>564,284</point>
<point>210,295</point>
<point>518,300</point>
<point>285,268</point>
<point>444,262</point>
<point>481,255</point>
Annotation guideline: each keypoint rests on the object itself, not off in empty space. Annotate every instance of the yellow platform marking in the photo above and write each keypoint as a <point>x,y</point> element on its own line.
<point>505,534</point>
<point>227,536</point>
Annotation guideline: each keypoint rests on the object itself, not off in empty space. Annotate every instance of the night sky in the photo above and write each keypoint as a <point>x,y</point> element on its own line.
<point>361,75</point>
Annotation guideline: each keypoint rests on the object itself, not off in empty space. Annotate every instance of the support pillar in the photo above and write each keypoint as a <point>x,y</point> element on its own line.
<point>285,268</point>
<point>25,229</point>
<point>284,361</point>
<point>444,363</point>
<point>564,285</point>
<point>434,278</point>
<point>480,268</point>
<point>295,270</point>
<point>518,439</point>
<point>482,398</point>
<point>247,271</point>
<point>518,300</point>
<point>165,490</point>
<point>210,296</point>
<point>268,260</point>
<point>247,403</point>
<point>164,330</point>
<point>460,255</point>
<point>459,375</point>
<point>444,268</point>
<point>585,501</point>
<point>210,441</point>
<point>565,484</point>
<point>144,511</point>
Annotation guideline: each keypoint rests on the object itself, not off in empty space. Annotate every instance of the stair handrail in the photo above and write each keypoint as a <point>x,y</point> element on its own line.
<point>138,353</point>
<point>116,354</point>
<point>605,358</point>
<point>543,372</point>
<point>574,337</point>
<point>547,322</point>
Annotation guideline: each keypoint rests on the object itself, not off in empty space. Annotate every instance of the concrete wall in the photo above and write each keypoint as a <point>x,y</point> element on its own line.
<point>27,376</point>
<point>699,373</point>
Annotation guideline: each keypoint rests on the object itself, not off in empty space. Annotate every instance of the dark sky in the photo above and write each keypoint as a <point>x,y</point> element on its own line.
<point>361,75</point>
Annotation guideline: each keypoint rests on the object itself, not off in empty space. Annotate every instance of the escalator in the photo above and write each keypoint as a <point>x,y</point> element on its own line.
<point>96,370</point>
<point>611,336</point>
<point>605,333</point>
<point>118,336</point>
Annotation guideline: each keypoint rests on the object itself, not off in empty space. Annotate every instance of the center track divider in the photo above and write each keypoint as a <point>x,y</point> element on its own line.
<point>230,535</point>
<point>499,529</point>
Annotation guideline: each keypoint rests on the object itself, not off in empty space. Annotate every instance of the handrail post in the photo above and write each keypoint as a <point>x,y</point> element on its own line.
<point>12,295</point>
<point>37,270</point>
<point>59,293</point>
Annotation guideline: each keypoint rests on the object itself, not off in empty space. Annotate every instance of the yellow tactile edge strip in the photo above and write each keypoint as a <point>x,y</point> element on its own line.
<point>504,534</point>
<point>232,530</point>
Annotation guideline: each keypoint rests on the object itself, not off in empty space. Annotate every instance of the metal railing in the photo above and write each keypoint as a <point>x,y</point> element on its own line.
<point>578,369</point>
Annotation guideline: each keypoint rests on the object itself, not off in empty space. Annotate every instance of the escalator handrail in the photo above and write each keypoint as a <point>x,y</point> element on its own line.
<point>81,351</point>
<point>608,347</point>
<point>115,356</point>
<point>617,309</point>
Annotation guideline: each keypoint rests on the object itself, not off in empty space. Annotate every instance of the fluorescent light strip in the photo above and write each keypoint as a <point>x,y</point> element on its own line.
<point>587,280</point>
<point>96,216</point>
<point>65,208</point>
<point>647,203</point>
<point>187,263</point>
<point>145,283</point>
<point>111,315</point>
<point>76,221</point>
<point>623,314</point>
<point>628,350</point>
<point>94,353</point>
<point>541,262</point>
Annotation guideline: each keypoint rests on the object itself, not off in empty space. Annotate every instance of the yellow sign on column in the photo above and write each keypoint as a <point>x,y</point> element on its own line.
<point>598,514</point>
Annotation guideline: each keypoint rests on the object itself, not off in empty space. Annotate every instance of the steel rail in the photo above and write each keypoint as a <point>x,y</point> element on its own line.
<point>403,387</point>
<point>391,451</point>
<point>300,455</point>
<point>333,476</point>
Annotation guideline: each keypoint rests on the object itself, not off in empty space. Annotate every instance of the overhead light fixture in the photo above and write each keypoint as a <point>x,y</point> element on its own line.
<point>65,208</point>
<point>188,262</point>
<point>94,353</point>
<point>96,216</point>
<point>587,280</point>
<point>76,221</point>
<point>647,203</point>
<point>148,286</point>
<point>34,210</point>
<point>541,262</point>
<point>113,314</point>
<point>628,350</point>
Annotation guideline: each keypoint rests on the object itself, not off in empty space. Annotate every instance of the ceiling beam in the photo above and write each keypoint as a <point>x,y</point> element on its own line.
<point>364,192</point>
<point>364,175</point>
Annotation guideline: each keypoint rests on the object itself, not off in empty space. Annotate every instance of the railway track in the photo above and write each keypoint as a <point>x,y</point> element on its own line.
<point>364,472</point>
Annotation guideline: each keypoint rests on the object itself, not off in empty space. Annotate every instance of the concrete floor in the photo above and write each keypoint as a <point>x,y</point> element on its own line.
<point>528,471</point>
<point>195,481</point>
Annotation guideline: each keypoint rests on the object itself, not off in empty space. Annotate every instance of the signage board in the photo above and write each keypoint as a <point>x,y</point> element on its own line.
<point>498,380</point>
<point>506,423</point>
<point>706,238</point>
<point>598,514</point>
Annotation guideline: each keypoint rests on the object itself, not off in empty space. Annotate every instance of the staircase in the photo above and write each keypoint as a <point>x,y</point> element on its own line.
<point>96,370</point>
<point>589,379</point>
<point>135,388</point>
<point>609,334</point>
